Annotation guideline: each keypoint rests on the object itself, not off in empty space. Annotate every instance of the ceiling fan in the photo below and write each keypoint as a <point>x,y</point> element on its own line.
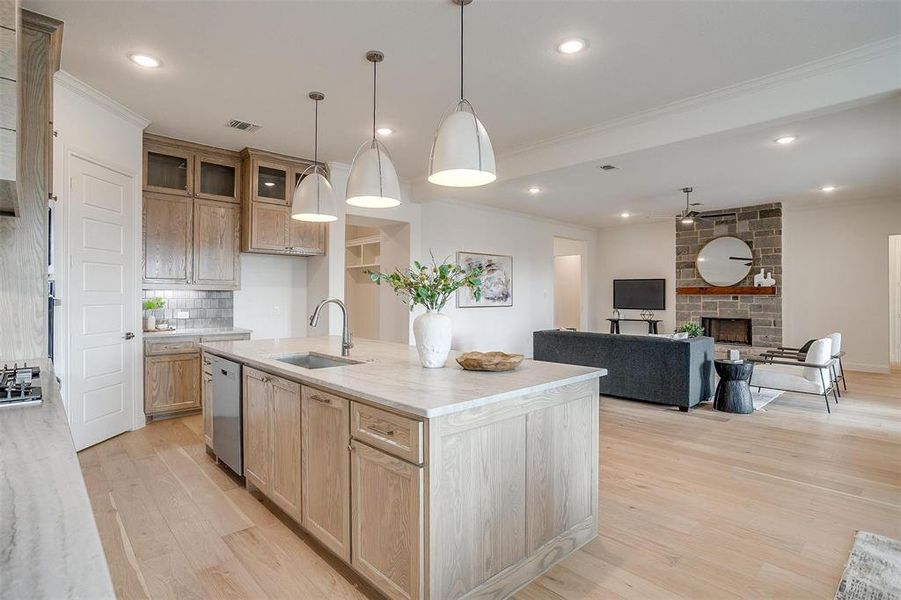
<point>689,215</point>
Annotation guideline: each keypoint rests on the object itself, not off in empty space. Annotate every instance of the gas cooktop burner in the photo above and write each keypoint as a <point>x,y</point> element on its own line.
<point>16,387</point>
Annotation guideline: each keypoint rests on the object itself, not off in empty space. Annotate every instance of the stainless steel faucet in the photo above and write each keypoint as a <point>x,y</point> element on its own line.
<point>346,341</point>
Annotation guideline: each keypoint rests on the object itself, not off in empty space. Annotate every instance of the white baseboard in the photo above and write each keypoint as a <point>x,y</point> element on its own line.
<point>866,368</point>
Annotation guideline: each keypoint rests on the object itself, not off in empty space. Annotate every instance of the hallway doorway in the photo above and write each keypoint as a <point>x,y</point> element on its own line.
<point>569,265</point>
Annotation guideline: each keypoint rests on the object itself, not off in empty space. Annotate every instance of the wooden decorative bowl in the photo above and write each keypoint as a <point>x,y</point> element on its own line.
<point>489,361</point>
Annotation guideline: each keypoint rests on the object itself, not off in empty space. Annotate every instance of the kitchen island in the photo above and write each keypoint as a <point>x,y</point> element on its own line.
<point>430,483</point>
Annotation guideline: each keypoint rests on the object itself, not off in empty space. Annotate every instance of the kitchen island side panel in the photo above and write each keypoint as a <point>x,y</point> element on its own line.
<point>512,490</point>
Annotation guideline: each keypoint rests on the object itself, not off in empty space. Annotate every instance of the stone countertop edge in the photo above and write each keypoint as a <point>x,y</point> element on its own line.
<point>309,376</point>
<point>200,332</point>
<point>50,544</point>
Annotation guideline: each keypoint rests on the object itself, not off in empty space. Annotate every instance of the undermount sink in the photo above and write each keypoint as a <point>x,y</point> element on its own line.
<point>309,360</point>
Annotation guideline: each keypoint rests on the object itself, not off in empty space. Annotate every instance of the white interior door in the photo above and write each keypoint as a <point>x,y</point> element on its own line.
<point>101,302</point>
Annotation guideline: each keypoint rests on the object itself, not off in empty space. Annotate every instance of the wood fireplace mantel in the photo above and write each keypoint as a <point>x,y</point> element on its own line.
<point>726,291</point>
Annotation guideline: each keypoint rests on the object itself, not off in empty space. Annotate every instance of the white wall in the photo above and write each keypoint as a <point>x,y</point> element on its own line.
<point>835,263</point>
<point>449,227</point>
<point>92,125</point>
<point>272,300</point>
<point>636,251</point>
<point>895,298</point>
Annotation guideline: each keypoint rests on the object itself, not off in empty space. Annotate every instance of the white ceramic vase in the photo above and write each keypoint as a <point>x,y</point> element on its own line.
<point>149,322</point>
<point>433,333</point>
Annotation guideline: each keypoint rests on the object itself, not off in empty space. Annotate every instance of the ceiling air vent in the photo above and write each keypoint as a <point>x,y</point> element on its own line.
<point>243,125</point>
<point>607,167</point>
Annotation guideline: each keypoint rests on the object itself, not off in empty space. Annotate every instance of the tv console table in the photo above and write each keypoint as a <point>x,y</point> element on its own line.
<point>652,324</point>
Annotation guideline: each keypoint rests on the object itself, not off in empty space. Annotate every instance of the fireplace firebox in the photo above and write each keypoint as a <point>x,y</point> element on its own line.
<point>728,331</point>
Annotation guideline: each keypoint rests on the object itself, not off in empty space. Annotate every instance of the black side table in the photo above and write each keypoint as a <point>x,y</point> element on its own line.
<point>652,324</point>
<point>733,393</point>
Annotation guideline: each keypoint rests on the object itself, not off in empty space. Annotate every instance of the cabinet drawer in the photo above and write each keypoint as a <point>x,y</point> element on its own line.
<point>392,433</point>
<point>226,338</point>
<point>173,347</point>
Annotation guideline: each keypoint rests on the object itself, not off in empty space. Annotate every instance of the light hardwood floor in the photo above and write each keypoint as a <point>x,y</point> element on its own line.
<point>697,505</point>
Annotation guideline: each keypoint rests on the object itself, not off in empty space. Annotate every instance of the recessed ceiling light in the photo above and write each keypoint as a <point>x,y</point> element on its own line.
<point>144,60</point>
<point>786,139</point>
<point>534,190</point>
<point>269,183</point>
<point>625,215</point>
<point>827,188</point>
<point>572,46</point>
<point>384,131</point>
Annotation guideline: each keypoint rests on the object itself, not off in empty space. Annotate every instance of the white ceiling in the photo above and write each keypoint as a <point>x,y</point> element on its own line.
<point>857,149</point>
<point>257,60</point>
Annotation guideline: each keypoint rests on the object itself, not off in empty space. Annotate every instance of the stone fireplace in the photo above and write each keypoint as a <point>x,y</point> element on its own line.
<point>761,227</point>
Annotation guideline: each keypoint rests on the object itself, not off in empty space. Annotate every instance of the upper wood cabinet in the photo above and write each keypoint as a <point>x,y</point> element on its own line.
<point>168,234</point>
<point>217,177</point>
<point>186,169</point>
<point>168,169</point>
<point>326,469</point>
<point>216,243</point>
<point>268,187</point>
<point>192,219</point>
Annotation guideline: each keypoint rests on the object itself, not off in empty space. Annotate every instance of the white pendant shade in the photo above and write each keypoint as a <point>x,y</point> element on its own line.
<point>314,200</point>
<point>461,153</point>
<point>373,182</point>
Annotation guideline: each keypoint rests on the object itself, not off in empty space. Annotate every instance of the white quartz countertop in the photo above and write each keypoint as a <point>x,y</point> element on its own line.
<point>198,332</point>
<point>49,544</point>
<point>390,374</point>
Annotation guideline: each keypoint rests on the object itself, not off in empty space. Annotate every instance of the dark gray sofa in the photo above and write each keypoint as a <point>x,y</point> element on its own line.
<point>639,367</point>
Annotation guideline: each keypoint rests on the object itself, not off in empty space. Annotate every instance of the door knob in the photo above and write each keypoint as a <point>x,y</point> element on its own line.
<point>128,335</point>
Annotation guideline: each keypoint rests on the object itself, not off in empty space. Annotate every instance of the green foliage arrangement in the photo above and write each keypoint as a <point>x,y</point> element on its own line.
<point>692,329</point>
<point>430,286</point>
<point>154,303</point>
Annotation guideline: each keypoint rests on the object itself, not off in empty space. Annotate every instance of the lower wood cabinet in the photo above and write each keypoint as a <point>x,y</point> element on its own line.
<point>272,438</point>
<point>171,383</point>
<point>326,469</point>
<point>386,508</point>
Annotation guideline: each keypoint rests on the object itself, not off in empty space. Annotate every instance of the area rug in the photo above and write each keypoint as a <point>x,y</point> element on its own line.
<point>764,397</point>
<point>873,571</point>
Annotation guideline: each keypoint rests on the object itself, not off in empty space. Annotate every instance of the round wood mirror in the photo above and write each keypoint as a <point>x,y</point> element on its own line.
<point>724,261</point>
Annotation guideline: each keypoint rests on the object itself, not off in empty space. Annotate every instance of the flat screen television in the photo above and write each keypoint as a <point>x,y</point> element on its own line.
<point>639,294</point>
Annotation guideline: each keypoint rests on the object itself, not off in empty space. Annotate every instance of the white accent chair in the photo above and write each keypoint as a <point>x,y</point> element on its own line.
<point>838,371</point>
<point>813,375</point>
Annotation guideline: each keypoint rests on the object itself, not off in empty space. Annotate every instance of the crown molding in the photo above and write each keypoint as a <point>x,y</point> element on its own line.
<point>849,58</point>
<point>73,84</point>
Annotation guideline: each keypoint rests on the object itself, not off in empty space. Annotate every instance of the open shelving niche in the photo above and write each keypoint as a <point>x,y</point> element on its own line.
<point>363,253</point>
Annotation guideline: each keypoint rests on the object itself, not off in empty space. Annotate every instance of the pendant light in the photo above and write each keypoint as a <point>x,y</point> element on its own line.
<point>461,152</point>
<point>372,182</point>
<point>314,199</point>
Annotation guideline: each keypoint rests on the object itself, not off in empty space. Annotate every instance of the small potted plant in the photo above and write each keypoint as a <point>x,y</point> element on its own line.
<point>692,329</point>
<point>431,287</point>
<point>150,305</point>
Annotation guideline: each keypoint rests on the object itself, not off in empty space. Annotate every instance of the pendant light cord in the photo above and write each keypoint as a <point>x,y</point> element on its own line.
<point>462,4</point>
<point>374,77</point>
<point>316,136</point>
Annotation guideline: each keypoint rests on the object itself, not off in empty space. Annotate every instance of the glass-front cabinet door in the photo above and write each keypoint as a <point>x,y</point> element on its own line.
<point>168,170</point>
<point>270,182</point>
<point>217,178</point>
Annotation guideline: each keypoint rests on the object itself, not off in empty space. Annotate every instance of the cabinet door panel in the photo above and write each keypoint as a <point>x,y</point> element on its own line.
<point>168,231</point>
<point>257,421</point>
<point>270,182</point>
<point>207,401</point>
<point>269,227</point>
<point>216,243</point>
<point>171,383</point>
<point>307,238</point>
<point>326,477</point>
<point>168,169</point>
<point>285,446</point>
<point>216,178</point>
<point>387,521</point>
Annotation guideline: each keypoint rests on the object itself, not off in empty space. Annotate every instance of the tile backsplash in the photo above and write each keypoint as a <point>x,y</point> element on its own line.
<point>205,308</point>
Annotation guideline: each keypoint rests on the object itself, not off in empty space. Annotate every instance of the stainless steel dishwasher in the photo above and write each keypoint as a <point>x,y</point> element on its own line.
<point>227,416</point>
